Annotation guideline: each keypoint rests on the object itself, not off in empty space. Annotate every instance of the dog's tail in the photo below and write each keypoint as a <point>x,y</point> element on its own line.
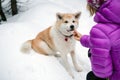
<point>26,47</point>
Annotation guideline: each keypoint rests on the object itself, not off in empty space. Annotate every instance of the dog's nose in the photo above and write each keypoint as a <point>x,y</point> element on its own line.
<point>72,27</point>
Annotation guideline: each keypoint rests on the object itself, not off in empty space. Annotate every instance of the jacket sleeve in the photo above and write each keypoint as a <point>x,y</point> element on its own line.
<point>100,48</point>
<point>85,41</point>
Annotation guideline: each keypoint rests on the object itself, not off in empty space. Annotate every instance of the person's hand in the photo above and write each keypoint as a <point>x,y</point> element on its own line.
<point>77,35</point>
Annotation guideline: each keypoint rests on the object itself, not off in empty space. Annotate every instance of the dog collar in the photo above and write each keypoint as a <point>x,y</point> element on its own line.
<point>66,37</point>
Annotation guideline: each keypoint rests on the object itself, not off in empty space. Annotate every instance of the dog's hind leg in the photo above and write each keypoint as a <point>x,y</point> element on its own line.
<point>75,62</point>
<point>42,48</point>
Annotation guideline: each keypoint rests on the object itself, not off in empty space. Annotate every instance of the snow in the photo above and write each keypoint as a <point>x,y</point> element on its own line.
<point>15,65</point>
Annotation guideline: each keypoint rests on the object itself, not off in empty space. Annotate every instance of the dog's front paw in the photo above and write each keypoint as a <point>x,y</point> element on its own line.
<point>79,69</point>
<point>57,55</point>
<point>71,75</point>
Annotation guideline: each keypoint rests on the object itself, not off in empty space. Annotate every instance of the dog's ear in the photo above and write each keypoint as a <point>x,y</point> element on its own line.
<point>77,15</point>
<point>59,16</point>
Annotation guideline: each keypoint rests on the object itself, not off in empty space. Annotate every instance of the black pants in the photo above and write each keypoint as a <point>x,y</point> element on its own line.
<point>90,75</point>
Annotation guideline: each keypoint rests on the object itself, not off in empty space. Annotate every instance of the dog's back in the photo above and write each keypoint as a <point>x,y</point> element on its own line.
<point>42,43</point>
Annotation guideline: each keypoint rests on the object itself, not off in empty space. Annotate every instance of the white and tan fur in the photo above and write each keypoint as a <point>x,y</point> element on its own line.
<point>57,38</point>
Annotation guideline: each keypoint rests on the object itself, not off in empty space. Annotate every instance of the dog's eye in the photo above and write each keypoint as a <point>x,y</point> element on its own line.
<point>73,21</point>
<point>66,22</point>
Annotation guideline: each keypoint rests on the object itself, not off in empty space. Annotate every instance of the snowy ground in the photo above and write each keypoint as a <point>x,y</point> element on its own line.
<point>15,65</point>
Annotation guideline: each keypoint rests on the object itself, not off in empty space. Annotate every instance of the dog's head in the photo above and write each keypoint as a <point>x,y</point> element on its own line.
<point>67,22</point>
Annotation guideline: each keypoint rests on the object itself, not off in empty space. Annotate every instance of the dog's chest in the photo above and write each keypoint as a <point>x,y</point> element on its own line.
<point>63,43</point>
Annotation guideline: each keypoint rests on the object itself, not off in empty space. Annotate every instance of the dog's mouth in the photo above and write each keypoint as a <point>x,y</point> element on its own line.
<point>70,30</point>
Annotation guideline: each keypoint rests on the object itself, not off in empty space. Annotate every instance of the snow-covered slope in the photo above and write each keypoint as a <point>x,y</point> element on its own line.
<point>15,65</point>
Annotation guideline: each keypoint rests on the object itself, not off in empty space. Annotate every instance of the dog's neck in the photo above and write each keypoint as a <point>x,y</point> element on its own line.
<point>66,36</point>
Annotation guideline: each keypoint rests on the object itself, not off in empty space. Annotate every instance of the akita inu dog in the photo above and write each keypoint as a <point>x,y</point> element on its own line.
<point>57,38</point>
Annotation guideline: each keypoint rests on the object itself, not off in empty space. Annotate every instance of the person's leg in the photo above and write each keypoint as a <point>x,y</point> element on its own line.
<point>91,76</point>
